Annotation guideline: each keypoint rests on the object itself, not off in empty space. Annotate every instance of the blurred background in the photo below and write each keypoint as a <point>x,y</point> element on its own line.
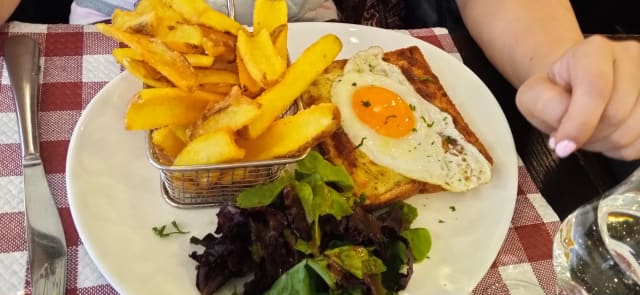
<point>595,16</point>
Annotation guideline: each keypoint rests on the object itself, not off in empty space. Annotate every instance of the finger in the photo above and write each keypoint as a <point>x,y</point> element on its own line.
<point>624,136</point>
<point>631,152</point>
<point>626,89</point>
<point>542,102</point>
<point>589,70</point>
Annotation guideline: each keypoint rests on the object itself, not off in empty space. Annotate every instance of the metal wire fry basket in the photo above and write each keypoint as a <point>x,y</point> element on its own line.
<point>220,184</point>
<point>215,185</point>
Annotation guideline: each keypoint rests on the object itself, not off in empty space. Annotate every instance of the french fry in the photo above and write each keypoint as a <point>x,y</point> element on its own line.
<point>236,115</point>
<point>171,64</point>
<point>181,33</point>
<point>209,76</point>
<point>279,37</point>
<point>218,37</point>
<point>184,48</point>
<point>260,57</point>
<point>170,27</point>
<point>219,90</point>
<point>222,89</point>
<point>224,65</point>
<point>217,50</point>
<point>292,135</point>
<point>180,132</point>
<point>269,14</point>
<point>250,87</point>
<point>166,16</point>
<point>144,6</point>
<point>199,12</point>
<point>234,175</point>
<point>135,22</point>
<point>211,48</point>
<point>168,141</point>
<point>145,72</point>
<point>211,148</point>
<point>158,107</point>
<point>121,53</point>
<point>200,60</point>
<point>298,77</point>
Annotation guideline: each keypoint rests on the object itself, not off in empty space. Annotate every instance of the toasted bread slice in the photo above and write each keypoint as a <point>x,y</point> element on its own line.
<point>381,185</point>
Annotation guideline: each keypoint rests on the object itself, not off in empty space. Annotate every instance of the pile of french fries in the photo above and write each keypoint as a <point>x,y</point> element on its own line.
<point>215,90</point>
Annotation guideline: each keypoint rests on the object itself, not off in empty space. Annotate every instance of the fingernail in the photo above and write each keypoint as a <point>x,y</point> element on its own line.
<point>565,148</point>
<point>552,142</point>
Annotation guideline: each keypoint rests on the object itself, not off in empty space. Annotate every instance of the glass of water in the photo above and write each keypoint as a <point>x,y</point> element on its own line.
<point>597,248</point>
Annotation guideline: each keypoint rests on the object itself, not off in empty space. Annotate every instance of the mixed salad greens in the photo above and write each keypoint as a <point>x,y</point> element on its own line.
<point>307,233</point>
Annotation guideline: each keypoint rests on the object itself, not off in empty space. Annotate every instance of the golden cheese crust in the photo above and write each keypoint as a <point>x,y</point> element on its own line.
<point>381,185</point>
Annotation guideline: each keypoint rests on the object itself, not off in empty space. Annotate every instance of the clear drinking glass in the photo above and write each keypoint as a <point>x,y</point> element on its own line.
<point>597,248</point>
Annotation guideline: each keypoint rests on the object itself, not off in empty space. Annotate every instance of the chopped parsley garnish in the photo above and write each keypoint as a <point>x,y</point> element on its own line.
<point>427,78</point>
<point>365,103</point>
<point>414,129</point>
<point>386,119</point>
<point>360,144</point>
<point>423,119</point>
<point>440,221</point>
<point>450,140</point>
<point>354,84</point>
<point>452,208</point>
<point>412,107</point>
<point>362,198</point>
<point>430,124</point>
<point>160,231</point>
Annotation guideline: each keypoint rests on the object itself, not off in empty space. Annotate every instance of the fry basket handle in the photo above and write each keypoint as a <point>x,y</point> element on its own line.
<point>231,9</point>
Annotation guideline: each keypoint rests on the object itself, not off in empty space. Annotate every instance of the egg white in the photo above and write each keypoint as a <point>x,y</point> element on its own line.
<point>420,155</point>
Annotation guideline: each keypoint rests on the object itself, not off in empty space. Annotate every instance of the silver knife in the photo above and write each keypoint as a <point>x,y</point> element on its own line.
<point>45,236</point>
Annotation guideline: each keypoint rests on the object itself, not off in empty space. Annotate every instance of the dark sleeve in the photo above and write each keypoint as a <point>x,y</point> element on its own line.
<point>42,11</point>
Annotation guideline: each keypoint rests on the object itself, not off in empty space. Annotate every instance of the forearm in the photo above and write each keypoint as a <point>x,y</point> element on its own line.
<point>6,9</point>
<point>521,37</point>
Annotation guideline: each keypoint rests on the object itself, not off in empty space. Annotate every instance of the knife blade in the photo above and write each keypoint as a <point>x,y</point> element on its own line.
<point>45,235</point>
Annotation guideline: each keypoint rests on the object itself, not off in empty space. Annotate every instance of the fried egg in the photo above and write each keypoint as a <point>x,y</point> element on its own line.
<point>396,128</point>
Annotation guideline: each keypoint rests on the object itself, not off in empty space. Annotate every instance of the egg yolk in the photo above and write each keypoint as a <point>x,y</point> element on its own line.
<point>383,110</point>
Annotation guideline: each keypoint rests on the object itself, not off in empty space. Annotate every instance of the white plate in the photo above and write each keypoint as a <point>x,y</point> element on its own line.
<point>114,193</point>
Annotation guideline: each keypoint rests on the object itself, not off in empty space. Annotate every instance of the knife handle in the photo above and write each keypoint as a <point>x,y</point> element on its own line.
<point>22,58</point>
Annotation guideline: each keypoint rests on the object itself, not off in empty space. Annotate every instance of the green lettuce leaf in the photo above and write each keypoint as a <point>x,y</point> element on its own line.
<point>419,242</point>
<point>319,199</point>
<point>319,265</point>
<point>296,280</point>
<point>315,163</point>
<point>409,214</point>
<point>356,260</point>
<point>309,276</point>
<point>305,194</point>
<point>264,194</point>
<point>326,200</point>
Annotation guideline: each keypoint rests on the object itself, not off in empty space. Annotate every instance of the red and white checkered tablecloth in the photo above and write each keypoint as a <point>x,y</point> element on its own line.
<point>77,63</point>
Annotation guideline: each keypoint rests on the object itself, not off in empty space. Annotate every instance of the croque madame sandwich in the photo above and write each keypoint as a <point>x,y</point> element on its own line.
<point>400,133</point>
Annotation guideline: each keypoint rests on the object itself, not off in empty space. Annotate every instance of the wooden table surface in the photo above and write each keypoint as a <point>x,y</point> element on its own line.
<point>565,183</point>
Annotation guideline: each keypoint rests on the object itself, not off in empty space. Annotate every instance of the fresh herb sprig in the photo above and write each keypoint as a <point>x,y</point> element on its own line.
<point>160,231</point>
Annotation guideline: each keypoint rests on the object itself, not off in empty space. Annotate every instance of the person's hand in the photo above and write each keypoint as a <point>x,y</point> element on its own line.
<point>590,99</point>
<point>6,9</point>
